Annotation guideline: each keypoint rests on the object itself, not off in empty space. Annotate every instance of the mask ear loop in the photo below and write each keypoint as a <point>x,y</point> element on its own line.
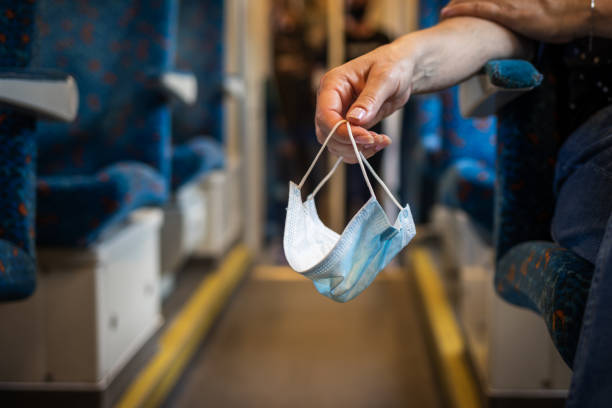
<point>329,136</point>
<point>384,186</point>
<point>360,158</point>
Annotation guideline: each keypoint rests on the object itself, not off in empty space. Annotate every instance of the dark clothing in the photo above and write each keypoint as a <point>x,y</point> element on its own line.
<point>583,186</point>
<point>588,78</point>
<point>582,220</point>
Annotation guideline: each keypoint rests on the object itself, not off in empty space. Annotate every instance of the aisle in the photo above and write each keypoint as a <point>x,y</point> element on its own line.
<point>281,344</point>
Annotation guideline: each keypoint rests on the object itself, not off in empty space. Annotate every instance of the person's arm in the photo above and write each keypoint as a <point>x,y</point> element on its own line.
<point>373,86</point>
<point>543,20</point>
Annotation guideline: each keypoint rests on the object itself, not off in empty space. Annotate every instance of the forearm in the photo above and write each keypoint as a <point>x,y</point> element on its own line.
<point>455,49</point>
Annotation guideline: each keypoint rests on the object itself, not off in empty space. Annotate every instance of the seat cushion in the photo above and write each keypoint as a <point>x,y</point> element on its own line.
<point>552,281</point>
<point>75,210</point>
<point>17,272</point>
<point>469,185</point>
<point>194,158</point>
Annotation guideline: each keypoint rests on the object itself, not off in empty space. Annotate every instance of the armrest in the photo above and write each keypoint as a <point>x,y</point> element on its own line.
<point>500,82</point>
<point>48,95</point>
<point>178,84</point>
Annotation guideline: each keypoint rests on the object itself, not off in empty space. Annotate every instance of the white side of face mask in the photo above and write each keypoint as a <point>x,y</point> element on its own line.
<point>306,240</point>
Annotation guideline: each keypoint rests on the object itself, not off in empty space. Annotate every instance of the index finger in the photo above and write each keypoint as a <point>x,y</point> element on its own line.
<point>334,98</point>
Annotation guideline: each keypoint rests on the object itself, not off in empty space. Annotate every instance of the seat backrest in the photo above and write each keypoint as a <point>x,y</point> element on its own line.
<point>201,50</point>
<point>17,160</point>
<point>528,142</point>
<point>115,50</point>
<point>473,138</point>
<point>17,147</point>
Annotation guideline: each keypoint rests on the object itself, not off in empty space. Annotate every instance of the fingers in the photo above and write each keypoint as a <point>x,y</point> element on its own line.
<point>379,87</point>
<point>347,152</point>
<point>334,96</point>
<point>475,8</point>
<point>375,90</point>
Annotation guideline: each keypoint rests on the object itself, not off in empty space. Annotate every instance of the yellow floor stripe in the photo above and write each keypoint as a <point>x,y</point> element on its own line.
<point>457,377</point>
<point>181,339</point>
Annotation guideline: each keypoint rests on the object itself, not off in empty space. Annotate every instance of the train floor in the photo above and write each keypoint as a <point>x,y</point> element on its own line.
<point>279,344</point>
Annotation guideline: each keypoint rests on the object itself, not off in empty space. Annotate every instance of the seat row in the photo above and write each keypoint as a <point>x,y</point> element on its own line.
<point>113,170</point>
<point>491,203</point>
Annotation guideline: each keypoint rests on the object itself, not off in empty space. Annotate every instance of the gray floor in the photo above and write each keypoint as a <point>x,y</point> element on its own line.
<point>281,344</point>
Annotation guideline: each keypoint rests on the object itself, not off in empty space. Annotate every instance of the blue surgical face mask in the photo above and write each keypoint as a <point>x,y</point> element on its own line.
<point>343,266</point>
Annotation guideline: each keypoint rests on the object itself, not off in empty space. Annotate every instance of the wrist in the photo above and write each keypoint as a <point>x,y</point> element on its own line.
<point>408,50</point>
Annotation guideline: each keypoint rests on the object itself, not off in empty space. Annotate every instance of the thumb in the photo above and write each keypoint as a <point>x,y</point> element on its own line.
<point>378,88</point>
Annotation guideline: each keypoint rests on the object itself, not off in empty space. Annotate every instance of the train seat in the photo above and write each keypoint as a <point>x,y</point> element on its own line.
<point>99,181</point>
<point>23,92</point>
<point>199,132</point>
<point>532,271</point>
<point>116,156</point>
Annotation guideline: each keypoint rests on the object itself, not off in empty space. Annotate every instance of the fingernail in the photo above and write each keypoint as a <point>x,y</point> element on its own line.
<point>365,140</point>
<point>356,113</point>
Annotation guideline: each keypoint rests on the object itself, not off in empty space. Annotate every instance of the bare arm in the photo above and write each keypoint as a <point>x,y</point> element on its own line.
<point>543,20</point>
<point>373,86</point>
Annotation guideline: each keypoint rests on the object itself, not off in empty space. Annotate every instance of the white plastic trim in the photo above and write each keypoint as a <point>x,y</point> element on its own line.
<point>182,85</point>
<point>54,99</point>
<point>478,97</point>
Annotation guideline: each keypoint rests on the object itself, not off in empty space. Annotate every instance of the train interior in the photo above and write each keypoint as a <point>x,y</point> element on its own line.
<point>175,126</point>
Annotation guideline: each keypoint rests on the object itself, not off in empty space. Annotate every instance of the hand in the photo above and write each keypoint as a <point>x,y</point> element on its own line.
<point>373,86</point>
<point>554,21</point>
<point>365,90</point>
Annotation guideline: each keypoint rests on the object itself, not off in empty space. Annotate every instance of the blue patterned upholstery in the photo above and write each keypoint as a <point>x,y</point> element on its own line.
<point>473,138</point>
<point>513,74</point>
<point>114,50</point>
<point>552,281</point>
<point>17,161</point>
<point>201,51</point>
<point>108,197</point>
<point>470,184</point>
<point>542,276</point>
<point>195,157</point>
